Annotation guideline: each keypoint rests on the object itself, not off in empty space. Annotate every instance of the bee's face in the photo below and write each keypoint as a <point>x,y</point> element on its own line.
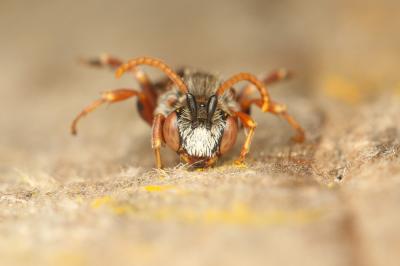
<point>200,130</point>
<point>201,127</point>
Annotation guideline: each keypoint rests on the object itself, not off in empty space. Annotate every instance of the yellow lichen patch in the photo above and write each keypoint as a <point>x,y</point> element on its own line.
<point>331,185</point>
<point>166,188</point>
<point>158,188</point>
<point>114,206</point>
<point>239,214</point>
<point>122,208</point>
<point>343,89</point>
<point>96,203</point>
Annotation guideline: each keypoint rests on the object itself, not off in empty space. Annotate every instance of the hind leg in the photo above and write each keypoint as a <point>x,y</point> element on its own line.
<point>113,63</point>
<point>277,75</point>
<point>280,110</point>
<point>112,97</point>
<point>272,77</point>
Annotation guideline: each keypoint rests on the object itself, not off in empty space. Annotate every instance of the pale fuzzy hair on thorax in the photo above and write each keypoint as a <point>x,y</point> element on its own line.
<point>201,83</point>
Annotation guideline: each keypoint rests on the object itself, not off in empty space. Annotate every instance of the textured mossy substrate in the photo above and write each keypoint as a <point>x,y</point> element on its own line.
<point>96,200</point>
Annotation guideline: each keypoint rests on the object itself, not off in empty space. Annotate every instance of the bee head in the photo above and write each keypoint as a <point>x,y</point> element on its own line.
<point>201,126</point>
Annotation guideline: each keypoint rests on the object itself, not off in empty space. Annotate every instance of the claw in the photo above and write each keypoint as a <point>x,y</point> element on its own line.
<point>299,138</point>
<point>240,163</point>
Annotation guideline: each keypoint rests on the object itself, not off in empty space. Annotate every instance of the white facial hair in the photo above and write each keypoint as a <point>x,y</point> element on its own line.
<point>201,142</point>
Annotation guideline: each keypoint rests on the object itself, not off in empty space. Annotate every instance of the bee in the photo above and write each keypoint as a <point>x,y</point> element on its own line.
<point>194,113</point>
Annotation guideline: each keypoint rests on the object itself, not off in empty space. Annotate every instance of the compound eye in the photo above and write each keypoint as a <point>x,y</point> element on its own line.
<point>211,107</point>
<point>229,136</point>
<point>170,131</point>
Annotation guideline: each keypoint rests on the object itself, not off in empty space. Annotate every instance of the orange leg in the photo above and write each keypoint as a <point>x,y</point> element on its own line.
<point>105,60</point>
<point>250,125</point>
<point>157,138</point>
<point>109,97</point>
<point>277,75</point>
<point>281,110</point>
<point>274,76</point>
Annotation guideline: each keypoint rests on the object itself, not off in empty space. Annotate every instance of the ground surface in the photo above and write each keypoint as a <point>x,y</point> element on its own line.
<point>330,201</point>
<point>95,199</point>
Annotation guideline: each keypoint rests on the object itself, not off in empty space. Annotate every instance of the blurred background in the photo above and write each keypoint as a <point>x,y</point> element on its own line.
<point>346,51</point>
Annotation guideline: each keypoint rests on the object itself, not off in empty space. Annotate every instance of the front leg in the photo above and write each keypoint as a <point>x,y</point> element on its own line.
<point>250,125</point>
<point>157,138</point>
